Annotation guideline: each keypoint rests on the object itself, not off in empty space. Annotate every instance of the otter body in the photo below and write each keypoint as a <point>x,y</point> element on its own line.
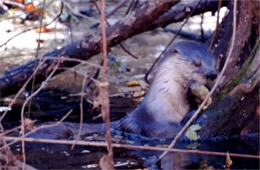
<point>166,103</point>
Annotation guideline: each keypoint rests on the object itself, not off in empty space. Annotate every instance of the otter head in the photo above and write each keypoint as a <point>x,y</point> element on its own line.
<point>192,61</point>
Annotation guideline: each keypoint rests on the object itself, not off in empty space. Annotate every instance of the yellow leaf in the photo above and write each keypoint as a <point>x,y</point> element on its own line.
<point>133,83</point>
<point>229,162</point>
<point>191,132</point>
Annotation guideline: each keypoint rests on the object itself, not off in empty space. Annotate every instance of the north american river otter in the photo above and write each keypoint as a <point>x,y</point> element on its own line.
<point>166,103</point>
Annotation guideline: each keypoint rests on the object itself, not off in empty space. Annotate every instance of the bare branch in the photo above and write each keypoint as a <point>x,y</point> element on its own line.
<point>115,145</point>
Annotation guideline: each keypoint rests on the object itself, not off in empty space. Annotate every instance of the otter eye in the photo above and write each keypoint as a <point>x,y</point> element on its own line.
<point>197,63</point>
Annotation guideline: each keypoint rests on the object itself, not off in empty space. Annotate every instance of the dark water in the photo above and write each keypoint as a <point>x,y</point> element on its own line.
<point>50,105</point>
<point>53,156</point>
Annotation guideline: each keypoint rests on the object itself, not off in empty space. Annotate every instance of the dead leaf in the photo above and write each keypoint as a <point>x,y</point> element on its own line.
<point>29,7</point>
<point>43,30</point>
<point>229,162</point>
<point>133,83</point>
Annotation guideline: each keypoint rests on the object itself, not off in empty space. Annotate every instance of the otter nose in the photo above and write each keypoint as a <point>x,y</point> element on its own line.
<point>212,75</point>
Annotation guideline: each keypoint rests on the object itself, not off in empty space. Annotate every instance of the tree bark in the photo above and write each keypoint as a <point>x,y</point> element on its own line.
<point>236,106</point>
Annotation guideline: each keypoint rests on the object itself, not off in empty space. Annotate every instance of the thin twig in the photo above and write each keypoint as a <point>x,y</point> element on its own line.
<point>127,51</point>
<point>74,12</point>
<point>104,85</point>
<point>64,58</point>
<point>127,146</point>
<point>195,115</point>
<point>116,8</point>
<point>81,110</point>
<point>217,27</point>
<point>37,54</point>
<point>129,7</point>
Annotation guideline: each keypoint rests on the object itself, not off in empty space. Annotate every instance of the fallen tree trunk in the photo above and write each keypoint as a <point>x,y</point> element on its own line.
<point>147,17</point>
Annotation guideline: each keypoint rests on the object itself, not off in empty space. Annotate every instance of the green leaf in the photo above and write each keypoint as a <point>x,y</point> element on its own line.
<point>191,132</point>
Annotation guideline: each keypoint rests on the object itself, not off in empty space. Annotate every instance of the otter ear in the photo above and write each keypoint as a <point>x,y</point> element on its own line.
<point>175,51</point>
